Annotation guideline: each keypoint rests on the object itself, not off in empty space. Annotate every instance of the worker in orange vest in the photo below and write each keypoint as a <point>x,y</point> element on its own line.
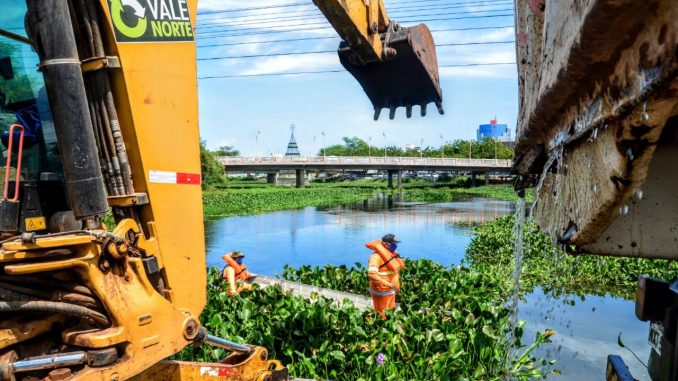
<point>382,269</point>
<point>235,272</point>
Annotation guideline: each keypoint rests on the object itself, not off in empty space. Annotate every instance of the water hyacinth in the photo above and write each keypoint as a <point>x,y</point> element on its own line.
<point>380,359</point>
<point>451,325</point>
<point>491,251</point>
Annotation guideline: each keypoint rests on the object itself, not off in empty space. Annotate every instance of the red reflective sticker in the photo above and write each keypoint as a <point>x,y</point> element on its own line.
<point>188,178</point>
<point>227,372</point>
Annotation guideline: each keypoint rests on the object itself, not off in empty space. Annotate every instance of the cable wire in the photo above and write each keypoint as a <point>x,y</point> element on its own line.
<point>339,71</point>
<point>335,51</point>
<point>306,3</point>
<point>337,37</point>
<point>325,28</point>
<point>255,19</point>
<point>325,22</point>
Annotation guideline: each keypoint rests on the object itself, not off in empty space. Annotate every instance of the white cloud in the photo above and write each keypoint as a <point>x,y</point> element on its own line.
<point>282,64</point>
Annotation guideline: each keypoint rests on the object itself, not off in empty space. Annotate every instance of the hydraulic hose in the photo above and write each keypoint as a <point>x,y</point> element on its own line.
<point>47,283</point>
<point>56,307</point>
<point>51,31</point>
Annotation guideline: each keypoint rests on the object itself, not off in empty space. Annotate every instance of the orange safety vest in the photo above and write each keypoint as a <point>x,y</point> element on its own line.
<point>391,259</point>
<point>241,272</point>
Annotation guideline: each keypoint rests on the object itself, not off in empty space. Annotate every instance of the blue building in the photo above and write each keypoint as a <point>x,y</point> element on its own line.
<point>500,132</point>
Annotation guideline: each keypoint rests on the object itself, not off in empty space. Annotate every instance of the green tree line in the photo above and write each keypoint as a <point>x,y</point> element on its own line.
<point>488,148</point>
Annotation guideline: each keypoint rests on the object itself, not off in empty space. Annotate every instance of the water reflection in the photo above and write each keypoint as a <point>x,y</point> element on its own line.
<point>336,235</point>
<point>587,329</point>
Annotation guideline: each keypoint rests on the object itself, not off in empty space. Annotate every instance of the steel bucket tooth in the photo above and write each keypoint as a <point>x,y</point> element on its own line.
<point>408,77</point>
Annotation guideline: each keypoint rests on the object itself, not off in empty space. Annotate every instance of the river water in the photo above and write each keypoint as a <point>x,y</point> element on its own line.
<point>586,328</point>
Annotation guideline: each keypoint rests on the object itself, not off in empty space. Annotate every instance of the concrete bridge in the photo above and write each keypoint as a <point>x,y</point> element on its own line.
<point>393,165</point>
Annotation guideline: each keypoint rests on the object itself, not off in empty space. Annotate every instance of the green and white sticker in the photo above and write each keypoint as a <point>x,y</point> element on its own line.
<point>151,20</point>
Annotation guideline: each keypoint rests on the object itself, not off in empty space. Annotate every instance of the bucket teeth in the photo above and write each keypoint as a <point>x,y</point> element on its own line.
<point>439,105</point>
<point>409,78</point>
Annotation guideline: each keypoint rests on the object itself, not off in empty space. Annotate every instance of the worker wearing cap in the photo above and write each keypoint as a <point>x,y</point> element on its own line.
<point>382,269</point>
<point>235,272</point>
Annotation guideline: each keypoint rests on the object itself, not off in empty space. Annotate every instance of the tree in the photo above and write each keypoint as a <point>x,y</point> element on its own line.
<point>226,151</point>
<point>211,170</point>
<point>458,148</point>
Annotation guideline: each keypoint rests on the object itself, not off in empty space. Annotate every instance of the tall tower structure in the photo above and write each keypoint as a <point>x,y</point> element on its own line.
<point>292,147</point>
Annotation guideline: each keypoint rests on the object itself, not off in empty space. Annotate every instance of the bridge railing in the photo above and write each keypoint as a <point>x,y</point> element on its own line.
<point>365,160</point>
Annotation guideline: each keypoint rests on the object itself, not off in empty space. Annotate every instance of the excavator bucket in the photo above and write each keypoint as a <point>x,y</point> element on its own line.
<point>408,76</point>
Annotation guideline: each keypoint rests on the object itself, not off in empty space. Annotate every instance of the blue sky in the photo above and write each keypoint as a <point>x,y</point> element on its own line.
<point>232,110</point>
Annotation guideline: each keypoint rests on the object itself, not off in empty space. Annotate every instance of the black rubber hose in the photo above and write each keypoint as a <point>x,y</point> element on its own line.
<point>55,307</point>
<point>10,295</point>
<point>47,283</point>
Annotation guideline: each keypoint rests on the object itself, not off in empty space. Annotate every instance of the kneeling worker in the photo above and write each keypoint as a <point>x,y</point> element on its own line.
<point>235,272</point>
<point>382,269</point>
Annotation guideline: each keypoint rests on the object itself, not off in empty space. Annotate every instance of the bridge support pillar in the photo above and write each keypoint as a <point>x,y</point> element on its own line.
<point>272,178</point>
<point>400,178</point>
<point>390,178</point>
<point>473,179</point>
<point>487,177</point>
<point>301,178</point>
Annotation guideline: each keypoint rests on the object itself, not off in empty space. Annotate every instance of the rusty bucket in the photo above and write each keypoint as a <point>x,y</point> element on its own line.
<point>406,77</point>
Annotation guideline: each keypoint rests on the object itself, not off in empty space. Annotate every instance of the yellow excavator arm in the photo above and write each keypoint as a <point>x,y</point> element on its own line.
<point>110,123</point>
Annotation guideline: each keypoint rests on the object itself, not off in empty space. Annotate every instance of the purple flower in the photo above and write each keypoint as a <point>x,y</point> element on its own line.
<point>380,359</point>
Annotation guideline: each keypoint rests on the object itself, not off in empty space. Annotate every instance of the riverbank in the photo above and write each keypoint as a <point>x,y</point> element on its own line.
<point>250,197</point>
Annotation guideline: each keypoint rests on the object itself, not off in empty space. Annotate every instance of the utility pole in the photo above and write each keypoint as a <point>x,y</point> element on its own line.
<point>494,140</point>
<point>470,144</point>
<point>324,145</point>
<point>384,144</point>
<point>442,146</point>
<point>369,147</point>
<point>257,141</point>
<point>421,148</point>
<point>495,150</point>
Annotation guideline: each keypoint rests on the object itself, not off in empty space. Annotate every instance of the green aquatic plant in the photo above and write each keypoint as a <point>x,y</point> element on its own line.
<point>451,326</point>
<point>233,202</point>
<point>550,268</point>
<point>440,194</point>
<point>262,198</point>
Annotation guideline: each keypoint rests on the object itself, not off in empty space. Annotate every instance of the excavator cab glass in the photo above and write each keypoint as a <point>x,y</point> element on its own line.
<point>406,77</point>
<point>31,174</point>
<point>23,102</point>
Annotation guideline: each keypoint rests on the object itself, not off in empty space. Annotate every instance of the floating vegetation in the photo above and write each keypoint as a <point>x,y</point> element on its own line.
<point>262,198</point>
<point>492,250</point>
<point>499,192</point>
<point>451,326</point>
<point>233,202</point>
